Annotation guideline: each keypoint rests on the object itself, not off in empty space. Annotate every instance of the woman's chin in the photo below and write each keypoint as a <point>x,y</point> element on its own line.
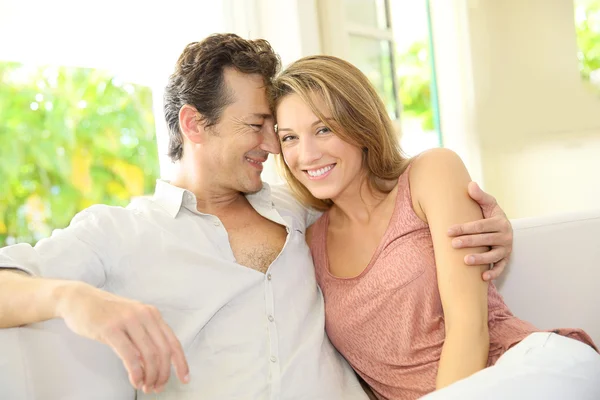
<point>319,189</point>
<point>323,194</point>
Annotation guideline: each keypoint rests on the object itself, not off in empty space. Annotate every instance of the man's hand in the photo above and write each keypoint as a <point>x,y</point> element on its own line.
<point>136,332</point>
<point>495,231</point>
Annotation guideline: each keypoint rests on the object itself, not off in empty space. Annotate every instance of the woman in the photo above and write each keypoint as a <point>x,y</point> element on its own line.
<point>399,304</point>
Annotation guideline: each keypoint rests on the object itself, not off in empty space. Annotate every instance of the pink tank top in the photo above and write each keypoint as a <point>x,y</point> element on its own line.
<point>388,321</point>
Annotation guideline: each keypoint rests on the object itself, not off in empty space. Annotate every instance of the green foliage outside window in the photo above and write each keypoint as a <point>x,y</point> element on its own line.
<point>415,78</point>
<point>588,38</point>
<point>69,138</point>
<point>415,84</point>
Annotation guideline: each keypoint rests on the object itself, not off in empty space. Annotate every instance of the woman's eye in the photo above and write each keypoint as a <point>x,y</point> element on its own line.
<point>286,138</point>
<point>323,130</point>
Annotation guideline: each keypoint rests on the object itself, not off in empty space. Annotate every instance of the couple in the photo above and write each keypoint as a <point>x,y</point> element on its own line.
<point>213,274</point>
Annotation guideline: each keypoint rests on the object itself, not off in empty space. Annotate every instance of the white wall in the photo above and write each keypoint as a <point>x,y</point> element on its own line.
<point>513,103</point>
<point>547,177</point>
<point>291,26</point>
<point>454,66</point>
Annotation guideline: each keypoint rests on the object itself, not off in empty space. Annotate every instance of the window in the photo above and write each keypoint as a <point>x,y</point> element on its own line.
<point>70,137</point>
<point>77,95</point>
<point>587,23</point>
<point>416,76</point>
<point>371,47</point>
<point>390,41</point>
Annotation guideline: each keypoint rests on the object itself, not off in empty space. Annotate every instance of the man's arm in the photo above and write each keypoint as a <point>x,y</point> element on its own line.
<point>494,232</point>
<point>67,270</point>
<point>70,255</point>
<point>34,278</point>
<point>135,331</point>
<point>25,300</point>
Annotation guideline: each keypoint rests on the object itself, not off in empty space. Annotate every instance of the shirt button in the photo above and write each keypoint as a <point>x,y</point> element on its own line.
<point>273,359</point>
<point>271,318</point>
<point>216,223</point>
<point>269,277</point>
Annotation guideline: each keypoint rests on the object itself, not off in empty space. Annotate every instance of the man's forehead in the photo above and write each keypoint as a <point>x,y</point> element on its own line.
<point>250,106</point>
<point>249,94</point>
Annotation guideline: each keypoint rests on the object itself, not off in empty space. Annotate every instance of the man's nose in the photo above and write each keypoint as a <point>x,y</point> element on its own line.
<point>270,140</point>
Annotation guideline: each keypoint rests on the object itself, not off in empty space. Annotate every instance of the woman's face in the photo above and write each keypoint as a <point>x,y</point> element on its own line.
<point>317,157</point>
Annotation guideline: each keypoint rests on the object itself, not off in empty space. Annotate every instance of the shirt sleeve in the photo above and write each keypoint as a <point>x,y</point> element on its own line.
<point>284,198</point>
<point>82,251</point>
<point>312,216</point>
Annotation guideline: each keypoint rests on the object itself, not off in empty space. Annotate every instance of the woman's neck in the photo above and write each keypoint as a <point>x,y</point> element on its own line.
<point>359,202</point>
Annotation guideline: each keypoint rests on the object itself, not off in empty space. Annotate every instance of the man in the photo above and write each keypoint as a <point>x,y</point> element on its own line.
<point>212,274</point>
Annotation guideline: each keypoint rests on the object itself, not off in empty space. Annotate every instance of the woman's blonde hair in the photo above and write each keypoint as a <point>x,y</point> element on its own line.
<point>358,113</point>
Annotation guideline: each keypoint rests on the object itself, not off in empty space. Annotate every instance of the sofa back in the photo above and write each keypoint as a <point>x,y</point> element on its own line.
<point>553,279</point>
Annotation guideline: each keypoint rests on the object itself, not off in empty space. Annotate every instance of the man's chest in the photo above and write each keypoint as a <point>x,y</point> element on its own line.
<point>256,241</point>
<point>195,259</point>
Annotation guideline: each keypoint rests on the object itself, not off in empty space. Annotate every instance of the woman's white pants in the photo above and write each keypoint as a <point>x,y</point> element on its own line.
<point>542,366</point>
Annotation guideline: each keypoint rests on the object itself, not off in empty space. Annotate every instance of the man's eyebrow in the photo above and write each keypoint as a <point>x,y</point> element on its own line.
<point>262,115</point>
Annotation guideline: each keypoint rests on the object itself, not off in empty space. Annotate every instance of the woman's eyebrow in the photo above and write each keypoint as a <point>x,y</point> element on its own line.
<point>313,124</point>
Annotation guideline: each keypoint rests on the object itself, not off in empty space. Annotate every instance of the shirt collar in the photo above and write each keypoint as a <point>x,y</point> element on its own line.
<point>171,198</point>
<point>262,198</point>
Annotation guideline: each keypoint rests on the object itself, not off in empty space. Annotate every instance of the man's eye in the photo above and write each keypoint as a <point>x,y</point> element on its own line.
<point>257,126</point>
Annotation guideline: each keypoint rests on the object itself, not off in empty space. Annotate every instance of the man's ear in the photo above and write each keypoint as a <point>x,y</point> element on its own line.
<point>191,124</point>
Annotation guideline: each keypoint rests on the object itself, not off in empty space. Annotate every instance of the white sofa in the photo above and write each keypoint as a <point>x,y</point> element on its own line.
<point>552,281</point>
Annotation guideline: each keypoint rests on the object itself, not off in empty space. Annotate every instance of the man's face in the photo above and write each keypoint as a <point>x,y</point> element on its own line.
<point>239,144</point>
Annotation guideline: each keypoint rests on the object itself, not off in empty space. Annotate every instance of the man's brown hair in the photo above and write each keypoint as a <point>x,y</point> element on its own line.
<point>198,79</point>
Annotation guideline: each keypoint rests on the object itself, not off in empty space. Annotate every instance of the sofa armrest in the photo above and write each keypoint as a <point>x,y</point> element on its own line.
<point>553,276</point>
<point>46,361</point>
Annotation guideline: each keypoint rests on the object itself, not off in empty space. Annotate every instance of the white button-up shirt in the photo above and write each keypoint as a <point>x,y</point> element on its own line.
<point>246,335</point>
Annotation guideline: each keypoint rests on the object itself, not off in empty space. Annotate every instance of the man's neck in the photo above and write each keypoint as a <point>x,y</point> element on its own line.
<point>211,197</point>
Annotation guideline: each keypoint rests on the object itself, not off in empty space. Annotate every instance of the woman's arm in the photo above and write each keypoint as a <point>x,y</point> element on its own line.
<point>439,180</point>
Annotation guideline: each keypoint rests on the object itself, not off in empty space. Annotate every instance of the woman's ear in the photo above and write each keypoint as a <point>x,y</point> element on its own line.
<point>191,124</point>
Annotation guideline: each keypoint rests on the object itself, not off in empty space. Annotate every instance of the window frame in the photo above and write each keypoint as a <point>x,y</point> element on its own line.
<point>336,31</point>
